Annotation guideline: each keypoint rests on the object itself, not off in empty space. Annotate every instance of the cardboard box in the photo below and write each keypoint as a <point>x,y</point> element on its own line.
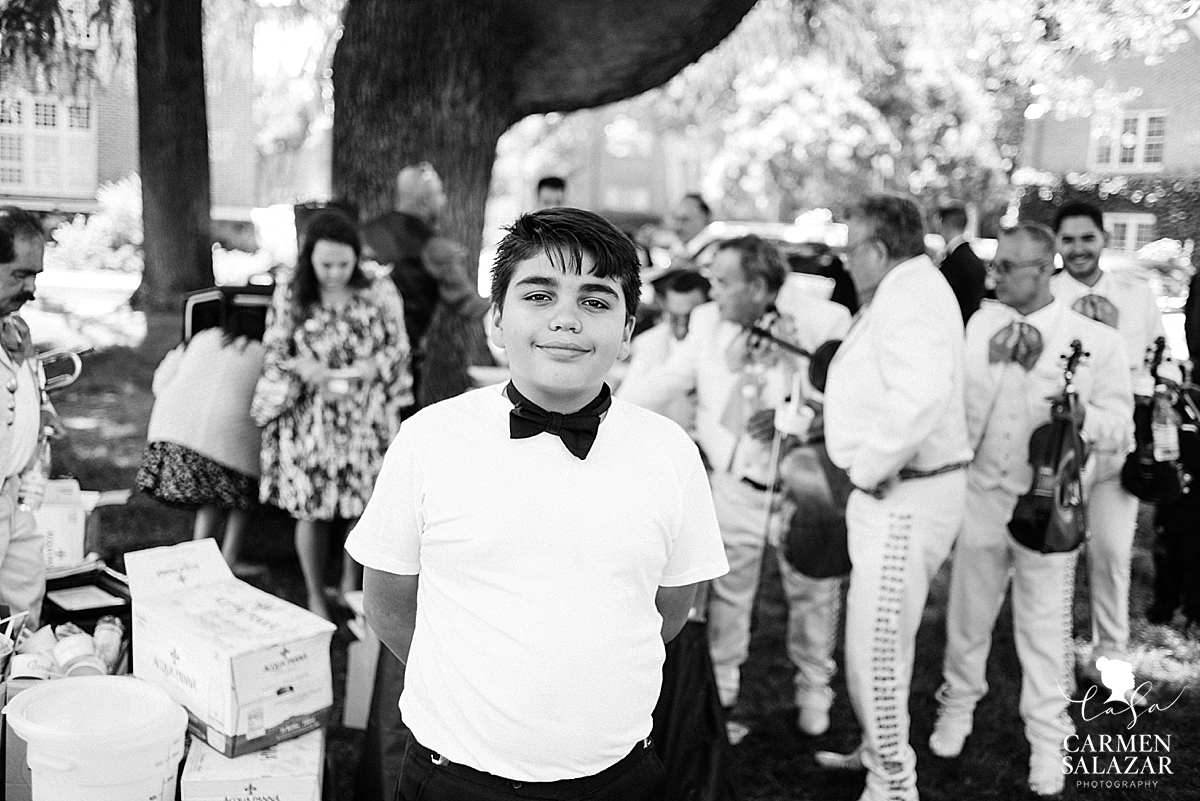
<point>66,519</point>
<point>251,669</point>
<point>289,771</point>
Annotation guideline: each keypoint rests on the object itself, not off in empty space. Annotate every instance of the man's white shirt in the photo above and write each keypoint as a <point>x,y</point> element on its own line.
<point>702,364</point>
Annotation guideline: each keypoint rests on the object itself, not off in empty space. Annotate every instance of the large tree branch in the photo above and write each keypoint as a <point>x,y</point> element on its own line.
<point>583,53</point>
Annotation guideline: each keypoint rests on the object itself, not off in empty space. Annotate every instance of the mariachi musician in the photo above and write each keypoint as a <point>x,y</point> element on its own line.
<point>1015,353</point>
<point>1126,303</point>
<point>740,378</point>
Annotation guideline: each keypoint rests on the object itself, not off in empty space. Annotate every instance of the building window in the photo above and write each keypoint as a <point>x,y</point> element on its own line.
<point>52,150</point>
<point>1129,232</point>
<point>45,114</point>
<point>79,117</point>
<point>11,160</point>
<point>1134,145</point>
<point>10,111</point>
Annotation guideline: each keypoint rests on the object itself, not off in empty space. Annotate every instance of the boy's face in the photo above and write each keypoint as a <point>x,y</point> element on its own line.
<point>561,331</point>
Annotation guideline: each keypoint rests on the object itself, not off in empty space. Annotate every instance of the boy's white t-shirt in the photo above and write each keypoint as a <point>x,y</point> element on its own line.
<point>538,653</point>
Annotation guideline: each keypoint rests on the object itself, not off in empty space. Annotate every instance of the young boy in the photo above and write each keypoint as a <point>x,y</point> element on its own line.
<point>530,547</point>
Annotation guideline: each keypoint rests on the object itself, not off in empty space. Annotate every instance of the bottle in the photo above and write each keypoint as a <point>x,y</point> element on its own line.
<point>34,479</point>
<point>1164,426</point>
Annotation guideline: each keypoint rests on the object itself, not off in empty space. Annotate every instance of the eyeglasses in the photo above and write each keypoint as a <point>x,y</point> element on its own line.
<point>865,241</point>
<point>1009,267</point>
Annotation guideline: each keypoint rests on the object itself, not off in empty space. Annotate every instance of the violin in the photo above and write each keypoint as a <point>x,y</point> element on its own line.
<point>818,360</point>
<point>1142,475</point>
<point>1050,517</point>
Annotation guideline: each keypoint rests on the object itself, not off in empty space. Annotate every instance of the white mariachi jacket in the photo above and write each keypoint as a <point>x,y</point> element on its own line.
<point>19,441</point>
<point>702,364</point>
<point>1139,320</point>
<point>894,397</point>
<point>1005,403</point>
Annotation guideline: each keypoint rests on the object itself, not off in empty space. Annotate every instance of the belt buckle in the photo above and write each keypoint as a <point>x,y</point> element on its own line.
<point>438,759</point>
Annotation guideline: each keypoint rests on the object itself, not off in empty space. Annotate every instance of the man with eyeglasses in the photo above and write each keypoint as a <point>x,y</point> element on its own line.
<point>26,413</point>
<point>1014,366</point>
<point>1127,304</point>
<point>895,421</point>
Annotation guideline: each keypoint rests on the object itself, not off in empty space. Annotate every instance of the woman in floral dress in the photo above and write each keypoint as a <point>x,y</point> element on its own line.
<point>335,377</point>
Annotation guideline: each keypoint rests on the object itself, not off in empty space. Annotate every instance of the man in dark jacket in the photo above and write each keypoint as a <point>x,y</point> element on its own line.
<point>961,267</point>
<point>427,269</point>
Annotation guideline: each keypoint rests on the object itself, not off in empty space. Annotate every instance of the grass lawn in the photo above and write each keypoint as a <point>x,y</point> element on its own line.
<point>107,411</point>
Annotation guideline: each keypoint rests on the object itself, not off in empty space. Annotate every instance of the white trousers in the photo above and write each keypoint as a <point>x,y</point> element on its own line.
<point>1043,586</point>
<point>813,604</point>
<point>897,546</point>
<point>22,563</point>
<point>1112,518</point>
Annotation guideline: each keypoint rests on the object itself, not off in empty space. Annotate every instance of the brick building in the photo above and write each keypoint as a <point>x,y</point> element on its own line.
<point>1141,164</point>
<point>55,151</point>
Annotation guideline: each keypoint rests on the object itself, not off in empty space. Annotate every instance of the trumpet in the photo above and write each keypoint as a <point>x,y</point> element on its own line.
<point>54,379</point>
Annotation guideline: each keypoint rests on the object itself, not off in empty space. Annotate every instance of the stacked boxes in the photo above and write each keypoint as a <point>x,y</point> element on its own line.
<point>251,669</point>
<point>287,771</point>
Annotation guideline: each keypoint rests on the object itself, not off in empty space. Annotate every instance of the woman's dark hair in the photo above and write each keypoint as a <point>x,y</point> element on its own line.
<point>332,226</point>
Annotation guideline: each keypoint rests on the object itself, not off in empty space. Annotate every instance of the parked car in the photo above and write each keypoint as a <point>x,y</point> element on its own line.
<point>815,251</point>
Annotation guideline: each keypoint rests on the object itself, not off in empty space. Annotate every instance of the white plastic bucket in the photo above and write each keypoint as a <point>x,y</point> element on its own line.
<point>100,738</point>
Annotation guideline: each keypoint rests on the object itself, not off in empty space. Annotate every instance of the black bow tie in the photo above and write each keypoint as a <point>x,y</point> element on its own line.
<point>577,429</point>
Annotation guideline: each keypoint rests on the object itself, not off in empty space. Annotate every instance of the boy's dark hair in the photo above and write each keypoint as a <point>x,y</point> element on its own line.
<point>760,259</point>
<point>895,220</point>
<point>16,224</point>
<point>565,234</point>
<point>953,217</point>
<point>689,281</point>
<point>1078,209</point>
<point>552,182</point>
<point>333,226</point>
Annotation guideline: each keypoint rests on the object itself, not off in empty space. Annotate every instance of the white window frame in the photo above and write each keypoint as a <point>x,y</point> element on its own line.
<point>59,160</point>
<point>1135,148</point>
<point>1123,229</point>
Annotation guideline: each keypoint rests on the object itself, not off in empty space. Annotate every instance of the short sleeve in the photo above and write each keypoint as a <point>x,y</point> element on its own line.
<point>388,535</point>
<point>697,553</point>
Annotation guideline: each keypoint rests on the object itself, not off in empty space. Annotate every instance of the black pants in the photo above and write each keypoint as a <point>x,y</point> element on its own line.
<point>1177,560</point>
<point>425,777</point>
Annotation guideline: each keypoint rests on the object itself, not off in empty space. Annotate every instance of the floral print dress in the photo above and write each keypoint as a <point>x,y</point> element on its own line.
<point>321,454</point>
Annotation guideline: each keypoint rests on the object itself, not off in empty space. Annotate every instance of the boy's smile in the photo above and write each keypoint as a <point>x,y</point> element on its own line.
<point>561,331</point>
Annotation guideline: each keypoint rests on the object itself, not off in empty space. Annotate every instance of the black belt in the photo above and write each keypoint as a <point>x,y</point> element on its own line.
<point>907,473</point>
<point>584,785</point>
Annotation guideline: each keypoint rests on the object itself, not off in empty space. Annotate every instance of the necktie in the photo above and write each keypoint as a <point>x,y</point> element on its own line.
<point>15,339</point>
<point>1017,342</point>
<point>577,430</point>
<point>1098,308</point>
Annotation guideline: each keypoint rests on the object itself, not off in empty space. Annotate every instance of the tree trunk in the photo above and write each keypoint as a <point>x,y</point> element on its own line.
<point>436,91</point>
<point>416,80</point>
<point>173,150</point>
